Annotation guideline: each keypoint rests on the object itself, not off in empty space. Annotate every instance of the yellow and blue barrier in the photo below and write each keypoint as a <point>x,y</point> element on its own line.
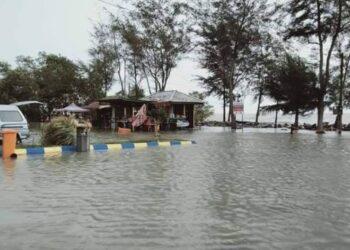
<point>100,147</point>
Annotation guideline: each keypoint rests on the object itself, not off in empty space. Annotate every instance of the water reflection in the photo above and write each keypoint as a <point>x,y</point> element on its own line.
<point>248,190</point>
<point>9,166</point>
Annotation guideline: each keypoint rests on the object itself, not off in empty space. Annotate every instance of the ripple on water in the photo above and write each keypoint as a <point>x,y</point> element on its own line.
<point>230,191</point>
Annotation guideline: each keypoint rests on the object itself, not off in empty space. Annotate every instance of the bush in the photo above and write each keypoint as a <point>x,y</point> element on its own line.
<point>59,131</point>
<point>158,114</point>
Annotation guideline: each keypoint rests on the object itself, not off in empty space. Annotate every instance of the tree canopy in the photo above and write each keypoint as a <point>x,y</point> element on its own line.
<point>292,85</point>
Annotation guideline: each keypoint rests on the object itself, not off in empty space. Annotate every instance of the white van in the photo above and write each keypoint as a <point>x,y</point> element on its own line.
<point>11,117</point>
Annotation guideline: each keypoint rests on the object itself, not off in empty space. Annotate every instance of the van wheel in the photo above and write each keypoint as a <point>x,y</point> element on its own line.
<point>19,140</point>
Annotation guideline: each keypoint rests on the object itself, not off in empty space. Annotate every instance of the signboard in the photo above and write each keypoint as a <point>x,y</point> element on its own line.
<point>238,107</point>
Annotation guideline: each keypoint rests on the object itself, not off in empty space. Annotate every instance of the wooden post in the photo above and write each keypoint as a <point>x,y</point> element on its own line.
<point>113,125</point>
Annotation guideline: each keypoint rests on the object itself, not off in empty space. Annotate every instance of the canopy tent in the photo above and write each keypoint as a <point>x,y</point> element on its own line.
<point>72,108</point>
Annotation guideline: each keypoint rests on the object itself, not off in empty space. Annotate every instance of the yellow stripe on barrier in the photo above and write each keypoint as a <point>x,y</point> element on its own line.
<point>114,146</point>
<point>21,151</point>
<point>139,145</point>
<point>53,150</point>
<point>164,143</point>
<point>186,142</point>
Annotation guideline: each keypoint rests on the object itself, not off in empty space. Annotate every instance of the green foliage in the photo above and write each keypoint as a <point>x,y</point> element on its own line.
<point>52,79</point>
<point>320,24</point>
<point>163,30</point>
<point>104,58</point>
<point>17,85</point>
<point>59,131</point>
<point>136,93</point>
<point>292,85</point>
<point>201,112</point>
<point>146,42</point>
<point>158,114</point>
<point>229,30</point>
<point>57,80</point>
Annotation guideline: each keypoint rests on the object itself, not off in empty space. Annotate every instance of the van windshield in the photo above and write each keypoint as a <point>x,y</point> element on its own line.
<point>10,116</point>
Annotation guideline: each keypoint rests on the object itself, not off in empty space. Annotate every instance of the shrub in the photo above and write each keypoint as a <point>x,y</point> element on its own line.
<point>59,131</point>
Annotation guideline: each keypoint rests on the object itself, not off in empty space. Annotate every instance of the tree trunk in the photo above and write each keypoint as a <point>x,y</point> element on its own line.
<point>259,103</point>
<point>276,117</point>
<point>336,122</point>
<point>340,108</point>
<point>232,117</point>
<point>229,114</point>
<point>320,111</point>
<point>320,106</point>
<point>224,107</point>
<point>295,126</point>
<point>296,122</point>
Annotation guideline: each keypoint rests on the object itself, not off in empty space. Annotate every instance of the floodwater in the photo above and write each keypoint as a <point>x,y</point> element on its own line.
<point>253,190</point>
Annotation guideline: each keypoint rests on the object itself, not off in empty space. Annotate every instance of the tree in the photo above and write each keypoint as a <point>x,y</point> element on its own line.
<point>153,35</point>
<point>52,79</point>
<point>293,86</point>
<point>228,31</point>
<point>164,34</point>
<point>89,81</point>
<point>201,112</point>
<point>265,53</point>
<point>318,23</point>
<point>57,80</point>
<point>104,58</point>
<point>136,93</point>
<point>18,84</point>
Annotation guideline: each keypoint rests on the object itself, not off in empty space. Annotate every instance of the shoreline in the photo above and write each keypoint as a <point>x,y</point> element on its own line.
<point>248,124</point>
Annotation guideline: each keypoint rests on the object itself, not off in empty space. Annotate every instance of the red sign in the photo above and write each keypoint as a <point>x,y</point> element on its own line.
<point>238,107</point>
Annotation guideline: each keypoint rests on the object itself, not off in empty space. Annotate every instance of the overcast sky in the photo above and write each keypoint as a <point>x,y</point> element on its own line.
<point>63,27</point>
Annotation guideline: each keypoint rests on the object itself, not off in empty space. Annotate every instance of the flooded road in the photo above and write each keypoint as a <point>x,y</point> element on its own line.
<point>253,190</point>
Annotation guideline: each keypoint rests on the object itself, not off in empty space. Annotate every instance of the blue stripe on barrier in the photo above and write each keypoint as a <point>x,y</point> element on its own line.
<point>69,148</point>
<point>100,147</point>
<point>175,143</point>
<point>152,144</point>
<point>35,151</point>
<point>128,145</point>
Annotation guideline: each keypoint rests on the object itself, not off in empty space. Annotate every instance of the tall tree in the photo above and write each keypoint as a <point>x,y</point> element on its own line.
<point>104,57</point>
<point>164,32</point>
<point>318,23</point>
<point>293,86</point>
<point>265,53</point>
<point>228,31</point>
<point>340,84</point>
<point>18,84</point>
<point>154,34</point>
<point>57,81</point>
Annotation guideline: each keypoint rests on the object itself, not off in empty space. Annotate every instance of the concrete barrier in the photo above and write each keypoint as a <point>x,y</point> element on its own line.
<point>100,147</point>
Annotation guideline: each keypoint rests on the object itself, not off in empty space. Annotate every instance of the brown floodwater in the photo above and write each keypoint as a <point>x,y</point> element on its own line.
<point>260,189</point>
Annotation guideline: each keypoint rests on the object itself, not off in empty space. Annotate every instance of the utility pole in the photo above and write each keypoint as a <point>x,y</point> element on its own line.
<point>340,105</point>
